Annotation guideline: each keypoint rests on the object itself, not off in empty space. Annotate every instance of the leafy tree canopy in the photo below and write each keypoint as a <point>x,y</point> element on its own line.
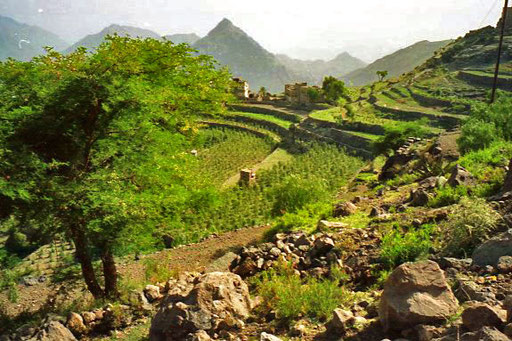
<point>333,89</point>
<point>93,144</point>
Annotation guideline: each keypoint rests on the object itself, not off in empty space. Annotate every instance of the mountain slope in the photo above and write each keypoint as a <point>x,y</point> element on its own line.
<point>313,71</point>
<point>94,40</point>
<point>397,63</point>
<point>232,47</point>
<point>180,38</point>
<point>23,42</point>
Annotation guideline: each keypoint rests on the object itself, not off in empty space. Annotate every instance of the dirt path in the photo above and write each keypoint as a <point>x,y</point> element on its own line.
<point>212,254</point>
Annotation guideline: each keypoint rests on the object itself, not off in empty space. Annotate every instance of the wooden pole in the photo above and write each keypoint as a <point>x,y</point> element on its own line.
<point>500,47</point>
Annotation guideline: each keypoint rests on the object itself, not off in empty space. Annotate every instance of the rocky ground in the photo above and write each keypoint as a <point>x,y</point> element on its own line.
<point>438,298</point>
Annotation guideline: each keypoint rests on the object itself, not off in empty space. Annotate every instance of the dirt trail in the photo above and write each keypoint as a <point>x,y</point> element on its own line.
<point>212,254</point>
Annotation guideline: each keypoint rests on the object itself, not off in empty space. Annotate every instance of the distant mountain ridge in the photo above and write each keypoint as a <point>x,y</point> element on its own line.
<point>245,57</point>
<point>23,42</point>
<point>94,40</point>
<point>313,71</point>
<point>397,63</point>
<point>180,38</point>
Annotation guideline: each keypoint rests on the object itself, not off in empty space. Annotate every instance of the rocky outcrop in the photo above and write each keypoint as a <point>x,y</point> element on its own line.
<point>416,293</point>
<point>492,250</point>
<point>218,301</point>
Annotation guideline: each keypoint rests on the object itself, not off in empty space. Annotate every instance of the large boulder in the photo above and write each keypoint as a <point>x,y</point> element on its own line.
<point>492,250</point>
<point>218,301</point>
<point>416,293</point>
<point>53,331</point>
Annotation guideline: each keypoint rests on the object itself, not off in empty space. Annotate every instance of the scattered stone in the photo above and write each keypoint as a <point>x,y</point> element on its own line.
<point>268,337</point>
<point>200,335</point>
<point>324,225</point>
<point>485,334</point>
<point>505,264</point>
<point>478,315</point>
<point>416,293</point>
<point>419,197</point>
<point>218,301</point>
<point>89,317</point>
<point>76,324</point>
<point>340,322</point>
<point>53,331</point>
<point>152,293</point>
<point>460,177</point>
<point>508,330</point>
<point>490,252</point>
<point>344,209</point>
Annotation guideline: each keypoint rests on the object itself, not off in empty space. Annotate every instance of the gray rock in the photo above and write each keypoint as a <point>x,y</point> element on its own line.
<point>340,322</point>
<point>478,315</point>
<point>505,264</point>
<point>268,337</point>
<point>419,197</point>
<point>485,334</point>
<point>416,293</point>
<point>460,177</point>
<point>217,301</point>
<point>53,331</point>
<point>490,252</point>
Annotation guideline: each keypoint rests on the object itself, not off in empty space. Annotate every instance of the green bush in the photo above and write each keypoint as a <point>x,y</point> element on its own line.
<point>487,124</point>
<point>305,219</point>
<point>469,224</point>
<point>295,193</point>
<point>396,135</point>
<point>291,297</point>
<point>448,195</point>
<point>398,247</point>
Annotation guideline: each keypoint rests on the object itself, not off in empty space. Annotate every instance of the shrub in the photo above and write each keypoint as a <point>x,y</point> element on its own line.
<point>295,193</point>
<point>476,135</point>
<point>398,248</point>
<point>291,297</point>
<point>157,270</point>
<point>333,89</point>
<point>396,135</point>
<point>487,125</point>
<point>448,195</point>
<point>470,224</point>
<point>305,219</point>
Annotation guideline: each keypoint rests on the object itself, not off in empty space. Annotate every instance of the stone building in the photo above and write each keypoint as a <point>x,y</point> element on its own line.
<point>241,90</point>
<point>300,93</point>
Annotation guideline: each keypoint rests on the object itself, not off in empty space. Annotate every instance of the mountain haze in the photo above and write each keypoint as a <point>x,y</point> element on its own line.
<point>23,42</point>
<point>313,71</point>
<point>397,63</point>
<point>94,40</point>
<point>180,38</point>
<point>232,47</point>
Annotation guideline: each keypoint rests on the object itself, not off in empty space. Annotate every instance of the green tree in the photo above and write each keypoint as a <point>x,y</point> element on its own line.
<point>92,144</point>
<point>333,89</point>
<point>382,75</point>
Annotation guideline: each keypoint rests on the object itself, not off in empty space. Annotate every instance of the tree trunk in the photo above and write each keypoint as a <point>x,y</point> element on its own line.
<point>110,273</point>
<point>83,256</point>
<point>508,181</point>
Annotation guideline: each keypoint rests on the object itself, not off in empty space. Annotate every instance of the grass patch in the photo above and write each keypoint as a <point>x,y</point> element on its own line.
<point>398,247</point>
<point>292,297</point>
<point>283,123</point>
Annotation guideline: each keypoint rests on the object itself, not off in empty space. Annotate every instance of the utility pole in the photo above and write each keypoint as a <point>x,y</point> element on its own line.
<point>500,47</point>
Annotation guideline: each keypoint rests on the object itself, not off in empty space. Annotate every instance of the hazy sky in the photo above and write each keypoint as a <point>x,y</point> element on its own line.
<point>302,28</point>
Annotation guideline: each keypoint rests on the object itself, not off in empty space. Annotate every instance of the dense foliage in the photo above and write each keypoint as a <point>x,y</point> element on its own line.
<point>396,135</point>
<point>487,125</point>
<point>92,144</point>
